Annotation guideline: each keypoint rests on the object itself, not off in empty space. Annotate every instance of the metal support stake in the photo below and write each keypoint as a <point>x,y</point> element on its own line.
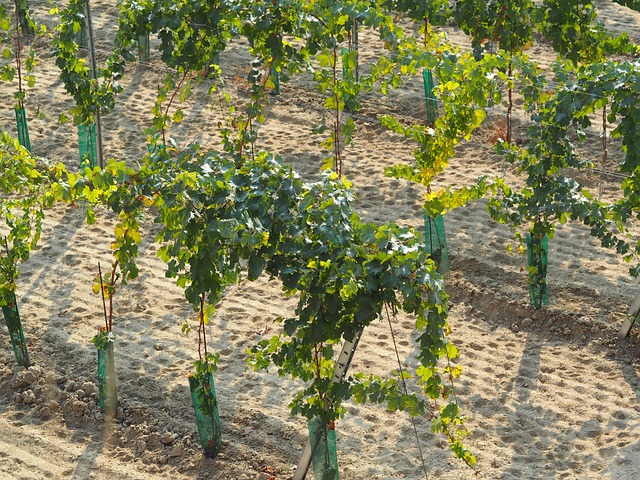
<point>92,62</point>
<point>356,46</point>
<point>339,372</point>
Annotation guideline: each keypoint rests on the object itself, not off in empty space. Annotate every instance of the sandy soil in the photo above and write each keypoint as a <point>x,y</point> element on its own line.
<point>548,394</point>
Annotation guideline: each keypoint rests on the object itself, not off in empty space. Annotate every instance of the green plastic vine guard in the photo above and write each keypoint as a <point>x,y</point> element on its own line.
<point>23,128</point>
<point>205,405</point>
<point>348,105</point>
<point>537,253</point>
<point>430,98</point>
<point>82,35</point>
<point>324,450</point>
<point>276,80</point>
<point>144,50</point>
<point>343,52</point>
<point>87,145</point>
<point>14,325</point>
<point>435,241</point>
<point>23,11</point>
<point>107,391</point>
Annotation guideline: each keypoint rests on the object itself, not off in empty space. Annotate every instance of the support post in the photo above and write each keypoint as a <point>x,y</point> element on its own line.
<point>356,46</point>
<point>339,372</point>
<point>92,61</point>
<point>632,317</point>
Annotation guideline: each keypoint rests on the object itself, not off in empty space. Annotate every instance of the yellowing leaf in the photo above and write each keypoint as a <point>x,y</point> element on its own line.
<point>451,86</point>
<point>135,236</point>
<point>327,164</point>
<point>209,312</point>
<point>177,116</point>
<point>349,290</point>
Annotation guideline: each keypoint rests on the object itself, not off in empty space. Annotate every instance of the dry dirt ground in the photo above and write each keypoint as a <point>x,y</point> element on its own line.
<point>549,394</point>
